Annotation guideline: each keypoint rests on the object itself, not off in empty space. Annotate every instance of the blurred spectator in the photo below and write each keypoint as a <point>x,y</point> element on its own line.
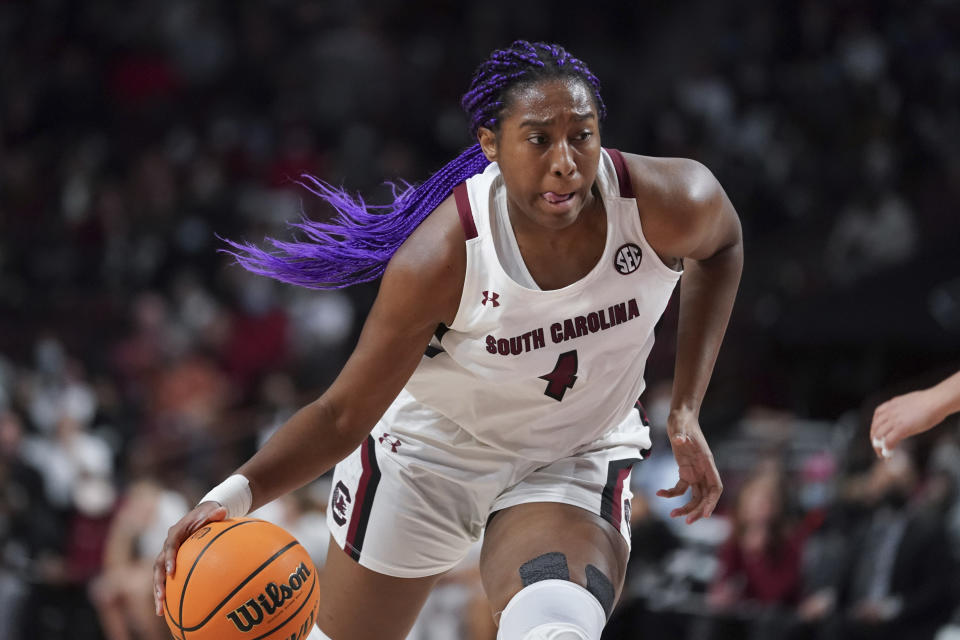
<point>121,592</point>
<point>942,490</point>
<point>869,236</point>
<point>57,390</point>
<point>70,461</point>
<point>900,580</point>
<point>759,566</point>
<point>760,563</point>
<point>28,526</point>
<point>647,586</point>
<point>457,607</point>
<point>139,356</point>
<point>257,339</point>
<point>826,553</point>
<point>651,541</point>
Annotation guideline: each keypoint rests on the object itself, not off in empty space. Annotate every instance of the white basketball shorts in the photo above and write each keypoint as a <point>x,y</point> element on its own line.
<point>418,491</point>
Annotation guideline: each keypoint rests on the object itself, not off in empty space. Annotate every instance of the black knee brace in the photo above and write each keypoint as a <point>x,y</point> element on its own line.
<point>553,566</point>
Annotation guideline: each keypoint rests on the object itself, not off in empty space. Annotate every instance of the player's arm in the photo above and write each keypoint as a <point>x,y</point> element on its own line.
<point>912,413</point>
<point>420,289</point>
<point>687,215</point>
<point>693,219</point>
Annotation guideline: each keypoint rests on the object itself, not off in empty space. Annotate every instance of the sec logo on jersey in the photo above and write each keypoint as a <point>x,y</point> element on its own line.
<point>627,259</point>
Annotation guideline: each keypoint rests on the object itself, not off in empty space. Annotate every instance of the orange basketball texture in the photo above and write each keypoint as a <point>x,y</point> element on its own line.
<point>241,578</point>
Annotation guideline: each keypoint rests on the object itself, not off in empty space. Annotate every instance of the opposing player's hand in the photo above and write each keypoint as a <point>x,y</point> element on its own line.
<point>899,418</point>
<point>166,563</point>
<point>698,471</point>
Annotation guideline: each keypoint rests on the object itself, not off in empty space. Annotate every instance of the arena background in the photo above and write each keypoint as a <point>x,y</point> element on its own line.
<point>138,366</point>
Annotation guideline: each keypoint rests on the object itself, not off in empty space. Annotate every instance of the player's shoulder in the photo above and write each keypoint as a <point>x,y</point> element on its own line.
<point>675,184</point>
<point>431,262</point>
<point>679,201</point>
<point>437,242</point>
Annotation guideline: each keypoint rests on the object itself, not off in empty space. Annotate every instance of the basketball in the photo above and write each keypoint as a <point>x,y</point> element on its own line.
<point>241,578</point>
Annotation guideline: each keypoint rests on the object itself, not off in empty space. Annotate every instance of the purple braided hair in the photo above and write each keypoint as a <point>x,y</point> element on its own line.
<point>524,63</point>
<point>358,244</point>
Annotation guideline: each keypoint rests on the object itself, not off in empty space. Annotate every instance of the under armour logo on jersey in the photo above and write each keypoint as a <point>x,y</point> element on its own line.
<point>338,502</point>
<point>627,258</point>
<point>490,297</point>
<point>388,440</point>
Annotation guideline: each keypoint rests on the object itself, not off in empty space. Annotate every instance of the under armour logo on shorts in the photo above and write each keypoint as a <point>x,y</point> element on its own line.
<point>388,440</point>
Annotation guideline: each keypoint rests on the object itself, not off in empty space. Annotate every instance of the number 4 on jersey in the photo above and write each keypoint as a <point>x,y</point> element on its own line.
<point>563,375</point>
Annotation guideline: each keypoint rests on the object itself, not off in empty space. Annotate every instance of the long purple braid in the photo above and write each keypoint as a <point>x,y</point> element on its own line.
<point>358,244</point>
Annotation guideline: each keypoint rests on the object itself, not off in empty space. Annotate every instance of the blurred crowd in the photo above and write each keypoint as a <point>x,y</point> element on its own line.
<point>818,542</point>
<point>138,366</point>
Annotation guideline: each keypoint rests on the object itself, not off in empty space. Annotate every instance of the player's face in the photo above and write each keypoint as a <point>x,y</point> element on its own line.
<point>548,149</point>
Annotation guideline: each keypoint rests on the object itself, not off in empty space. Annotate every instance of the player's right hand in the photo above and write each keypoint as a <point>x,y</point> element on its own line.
<point>696,468</point>
<point>166,562</point>
<point>900,418</point>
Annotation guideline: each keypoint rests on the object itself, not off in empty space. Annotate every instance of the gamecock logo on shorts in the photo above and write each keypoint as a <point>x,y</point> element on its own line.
<point>339,501</point>
<point>627,259</point>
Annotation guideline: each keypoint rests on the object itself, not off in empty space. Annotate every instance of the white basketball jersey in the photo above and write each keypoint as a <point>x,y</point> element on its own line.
<point>543,373</point>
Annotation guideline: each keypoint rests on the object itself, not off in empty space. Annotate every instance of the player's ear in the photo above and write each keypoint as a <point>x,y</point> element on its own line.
<point>488,142</point>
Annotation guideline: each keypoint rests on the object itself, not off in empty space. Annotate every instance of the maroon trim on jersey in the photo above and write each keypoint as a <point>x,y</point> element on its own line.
<point>623,176</point>
<point>366,490</point>
<point>611,500</point>
<point>463,208</point>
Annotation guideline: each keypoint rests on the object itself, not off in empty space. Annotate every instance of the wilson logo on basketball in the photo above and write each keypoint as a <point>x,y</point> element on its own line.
<point>627,259</point>
<point>250,614</point>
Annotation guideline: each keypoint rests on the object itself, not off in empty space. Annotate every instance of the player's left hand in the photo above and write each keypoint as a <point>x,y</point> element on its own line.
<point>698,471</point>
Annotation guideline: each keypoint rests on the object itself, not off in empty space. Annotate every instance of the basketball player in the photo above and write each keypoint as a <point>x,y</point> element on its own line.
<point>495,383</point>
<point>912,413</point>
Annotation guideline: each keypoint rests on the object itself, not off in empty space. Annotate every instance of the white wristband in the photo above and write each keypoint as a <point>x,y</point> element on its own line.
<point>234,494</point>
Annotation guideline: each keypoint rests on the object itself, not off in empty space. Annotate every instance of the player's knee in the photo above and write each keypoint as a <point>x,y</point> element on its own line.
<point>552,609</point>
<point>553,566</point>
